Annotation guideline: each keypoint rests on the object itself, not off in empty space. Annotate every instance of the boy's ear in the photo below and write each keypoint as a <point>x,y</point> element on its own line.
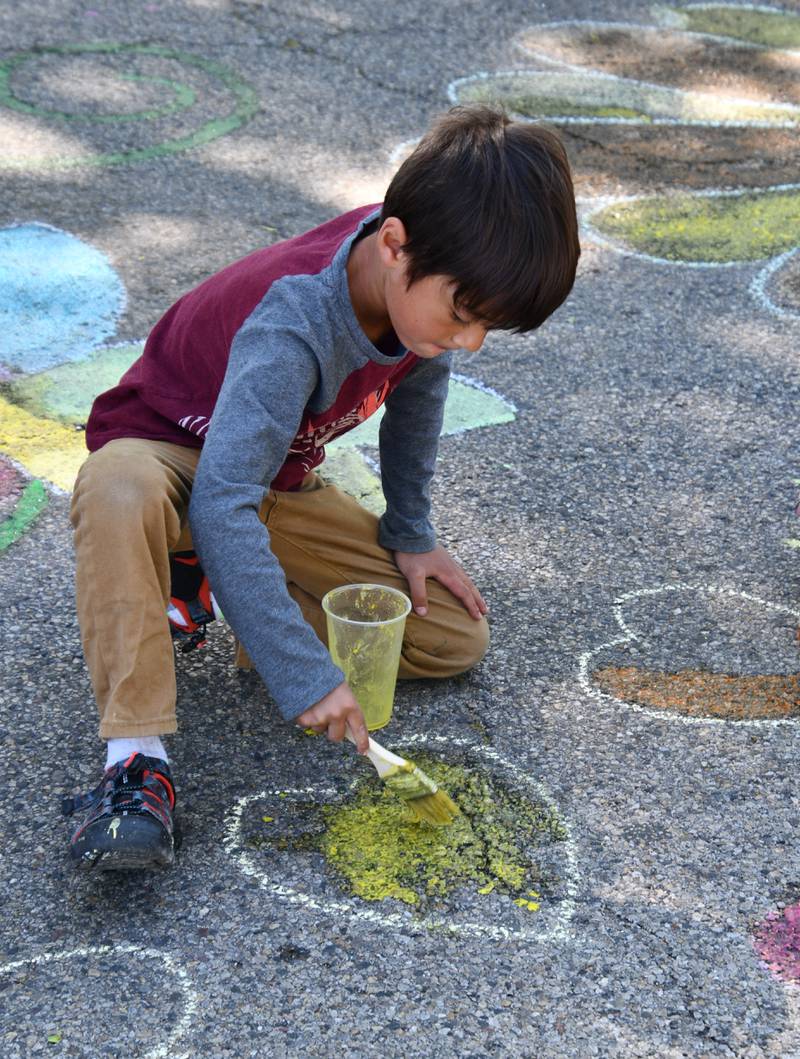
<point>392,237</point>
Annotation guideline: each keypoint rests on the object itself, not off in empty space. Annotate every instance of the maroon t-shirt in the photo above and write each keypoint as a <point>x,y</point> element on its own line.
<point>169,393</point>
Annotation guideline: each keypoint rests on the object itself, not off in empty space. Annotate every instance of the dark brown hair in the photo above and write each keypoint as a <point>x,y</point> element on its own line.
<point>489,203</point>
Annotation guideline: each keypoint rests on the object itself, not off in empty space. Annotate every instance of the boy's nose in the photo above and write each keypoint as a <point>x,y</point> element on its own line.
<point>470,338</point>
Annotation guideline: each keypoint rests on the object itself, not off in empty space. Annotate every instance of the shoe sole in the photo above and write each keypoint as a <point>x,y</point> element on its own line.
<point>124,843</point>
<point>125,859</point>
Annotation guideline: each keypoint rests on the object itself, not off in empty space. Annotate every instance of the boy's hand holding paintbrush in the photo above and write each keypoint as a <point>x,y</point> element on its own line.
<point>335,714</point>
<point>339,716</point>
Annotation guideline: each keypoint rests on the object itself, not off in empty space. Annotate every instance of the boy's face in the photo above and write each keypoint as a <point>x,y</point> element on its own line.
<point>424,316</point>
<point>426,320</point>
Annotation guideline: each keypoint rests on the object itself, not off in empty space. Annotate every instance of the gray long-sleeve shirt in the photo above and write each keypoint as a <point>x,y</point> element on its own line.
<point>300,372</point>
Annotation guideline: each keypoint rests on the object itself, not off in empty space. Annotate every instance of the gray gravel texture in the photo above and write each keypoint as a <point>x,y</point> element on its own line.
<point>654,448</point>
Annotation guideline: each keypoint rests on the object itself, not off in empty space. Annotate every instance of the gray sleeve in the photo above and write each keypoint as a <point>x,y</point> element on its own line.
<point>270,377</point>
<point>409,440</point>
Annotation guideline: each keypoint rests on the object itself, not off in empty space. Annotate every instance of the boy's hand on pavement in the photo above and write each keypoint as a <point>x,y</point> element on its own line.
<point>335,712</point>
<point>438,563</point>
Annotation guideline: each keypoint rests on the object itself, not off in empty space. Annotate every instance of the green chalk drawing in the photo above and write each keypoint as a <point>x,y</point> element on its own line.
<point>377,850</point>
<point>345,467</point>
<point>744,226</point>
<point>468,407</point>
<point>184,97</point>
<point>532,106</point>
<point>29,506</point>
<point>595,97</point>
<point>246,104</point>
<point>65,393</point>
<point>757,25</point>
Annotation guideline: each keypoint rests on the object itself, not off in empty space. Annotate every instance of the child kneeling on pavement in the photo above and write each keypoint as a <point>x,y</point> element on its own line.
<point>211,441</point>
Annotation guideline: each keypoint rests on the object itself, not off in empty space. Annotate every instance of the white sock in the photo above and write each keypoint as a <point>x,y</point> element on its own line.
<point>149,745</point>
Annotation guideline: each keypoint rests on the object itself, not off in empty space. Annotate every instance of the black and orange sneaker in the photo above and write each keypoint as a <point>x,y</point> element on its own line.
<point>128,821</point>
<point>191,604</point>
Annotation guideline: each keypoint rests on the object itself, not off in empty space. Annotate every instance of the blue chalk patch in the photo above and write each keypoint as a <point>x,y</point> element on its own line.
<point>59,298</point>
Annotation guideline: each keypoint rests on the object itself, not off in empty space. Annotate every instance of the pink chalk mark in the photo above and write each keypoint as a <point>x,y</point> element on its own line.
<point>10,480</point>
<point>777,941</point>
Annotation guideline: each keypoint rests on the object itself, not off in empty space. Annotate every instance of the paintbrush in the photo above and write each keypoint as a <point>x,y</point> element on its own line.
<point>424,798</point>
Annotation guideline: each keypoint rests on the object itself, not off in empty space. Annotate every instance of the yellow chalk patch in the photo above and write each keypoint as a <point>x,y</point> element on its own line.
<point>47,449</point>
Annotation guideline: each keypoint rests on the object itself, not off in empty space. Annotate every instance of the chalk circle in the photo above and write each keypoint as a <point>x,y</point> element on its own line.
<point>588,666</point>
<point>760,24</point>
<point>777,287</point>
<point>182,98</point>
<point>178,975</point>
<point>591,97</point>
<point>701,229</point>
<point>549,924</point>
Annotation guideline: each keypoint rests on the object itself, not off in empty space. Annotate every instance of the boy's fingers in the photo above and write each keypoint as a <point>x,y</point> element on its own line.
<point>358,728</point>
<point>419,593</point>
<point>336,730</point>
<point>463,592</point>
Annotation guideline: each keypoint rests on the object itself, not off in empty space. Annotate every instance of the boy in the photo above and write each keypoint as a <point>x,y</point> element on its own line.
<point>212,438</point>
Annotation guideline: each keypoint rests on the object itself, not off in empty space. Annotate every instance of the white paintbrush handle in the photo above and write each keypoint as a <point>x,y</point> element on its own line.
<point>381,758</point>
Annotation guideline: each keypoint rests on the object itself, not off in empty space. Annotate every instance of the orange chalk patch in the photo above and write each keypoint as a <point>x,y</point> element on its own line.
<point>698,694</point>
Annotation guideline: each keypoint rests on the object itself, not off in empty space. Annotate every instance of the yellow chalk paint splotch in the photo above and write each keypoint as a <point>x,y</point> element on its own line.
<point>756,24</point>
<point>377,850</point>
<point>744,226</point>
<point>47,449</point>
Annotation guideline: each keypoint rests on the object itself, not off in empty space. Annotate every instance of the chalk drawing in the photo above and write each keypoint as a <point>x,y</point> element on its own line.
<point>65,393</point>
<point>700,229</point>
<point>588,664</point>
<point>20,503</point>
<point>46,449</point>
<point>470,405</point>
<point>59,297</point>
<point>177,976</point>
<point>777,942</point>
<point>577,96</point>
<point>759,24</point>
<point>549,924</point>
<point>705,228</point>
<point>143,70</point>
<point>11,486</point>
<point>763,284</point>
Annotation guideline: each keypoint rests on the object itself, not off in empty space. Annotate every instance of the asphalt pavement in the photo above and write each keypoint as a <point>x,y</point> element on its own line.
<point>621,486</point>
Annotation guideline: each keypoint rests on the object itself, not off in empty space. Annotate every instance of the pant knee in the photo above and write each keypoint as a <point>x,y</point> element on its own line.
<point>112,491</point>
<point>446,653</point>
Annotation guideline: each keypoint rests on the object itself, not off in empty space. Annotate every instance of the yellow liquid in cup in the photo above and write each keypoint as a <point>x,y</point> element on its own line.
<point>365,637</point>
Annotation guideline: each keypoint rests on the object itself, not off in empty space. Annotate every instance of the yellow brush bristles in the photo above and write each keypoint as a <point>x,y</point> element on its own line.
<point>429,804</point>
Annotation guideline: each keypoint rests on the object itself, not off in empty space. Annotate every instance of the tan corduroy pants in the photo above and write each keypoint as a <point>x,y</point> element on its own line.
<point>129,511</point>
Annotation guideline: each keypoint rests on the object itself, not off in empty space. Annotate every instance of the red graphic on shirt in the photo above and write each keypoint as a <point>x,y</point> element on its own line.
<point>308,447</point>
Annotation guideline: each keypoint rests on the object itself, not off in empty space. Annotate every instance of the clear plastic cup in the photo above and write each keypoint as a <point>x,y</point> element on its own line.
<point>365,635</point>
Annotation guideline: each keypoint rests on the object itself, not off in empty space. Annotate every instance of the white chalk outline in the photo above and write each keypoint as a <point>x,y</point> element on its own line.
<point>599,205</point>
<point>588,73</point>
<point>584,660</point>
<point>476,384</point>
<point>758,285</point>
<point>161,1051</point>
<point>556,930</point>
<point>591,72</point>
<point>667,24</point>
